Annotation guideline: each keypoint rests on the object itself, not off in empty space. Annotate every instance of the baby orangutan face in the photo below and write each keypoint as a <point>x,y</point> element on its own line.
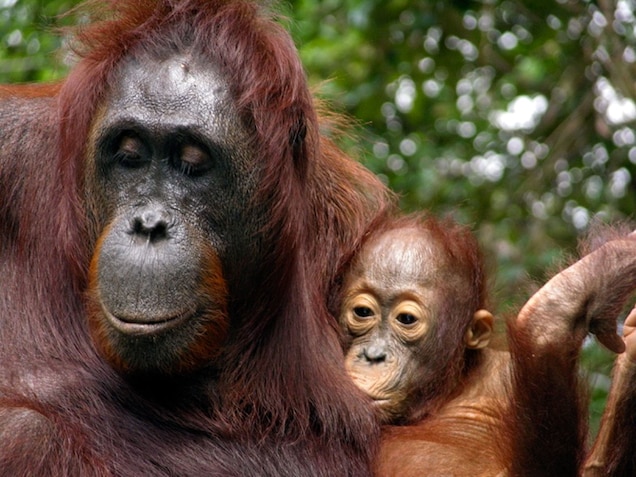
<point>395,297</point>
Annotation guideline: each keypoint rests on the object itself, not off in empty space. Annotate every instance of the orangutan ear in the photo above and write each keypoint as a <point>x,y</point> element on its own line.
<point>480,331</point>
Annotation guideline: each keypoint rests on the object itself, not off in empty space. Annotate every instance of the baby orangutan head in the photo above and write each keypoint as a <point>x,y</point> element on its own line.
<point>412,309</point>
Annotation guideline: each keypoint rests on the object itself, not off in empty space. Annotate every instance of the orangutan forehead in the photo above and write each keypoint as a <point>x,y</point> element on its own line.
<point>171,84</point>
<point>403,255</point>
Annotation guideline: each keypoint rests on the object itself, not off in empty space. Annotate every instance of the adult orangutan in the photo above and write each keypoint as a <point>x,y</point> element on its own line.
<point>413,309</point>
<point>170,220</point>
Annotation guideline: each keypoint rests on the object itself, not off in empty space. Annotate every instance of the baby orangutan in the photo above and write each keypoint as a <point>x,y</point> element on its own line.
<point>413,309</point>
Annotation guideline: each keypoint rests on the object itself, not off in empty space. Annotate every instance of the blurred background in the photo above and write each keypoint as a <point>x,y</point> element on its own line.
<point>517,117</point>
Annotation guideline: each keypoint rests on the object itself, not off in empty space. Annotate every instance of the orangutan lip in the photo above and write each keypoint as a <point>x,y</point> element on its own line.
<point>136,327</point>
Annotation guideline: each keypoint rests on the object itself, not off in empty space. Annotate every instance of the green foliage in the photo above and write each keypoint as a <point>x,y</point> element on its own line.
<point>29,40</point>
<point>439,86</point>
<point>515,116</point>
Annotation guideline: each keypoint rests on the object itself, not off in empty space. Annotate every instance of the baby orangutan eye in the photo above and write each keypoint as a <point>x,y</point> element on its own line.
<point>363,311</point>
<point>406,319</point>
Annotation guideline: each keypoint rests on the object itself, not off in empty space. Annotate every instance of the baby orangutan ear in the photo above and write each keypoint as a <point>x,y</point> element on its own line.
<point>480,331</point>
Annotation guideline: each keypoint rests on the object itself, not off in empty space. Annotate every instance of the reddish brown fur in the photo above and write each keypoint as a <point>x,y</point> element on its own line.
<point>547,428</point>
<point>281,403</point>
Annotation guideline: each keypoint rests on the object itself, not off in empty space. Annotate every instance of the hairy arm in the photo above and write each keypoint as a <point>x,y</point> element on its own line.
<point>585,297</point>
<point>29,124</point>
<point>547,426</point>
<point>27,144</point>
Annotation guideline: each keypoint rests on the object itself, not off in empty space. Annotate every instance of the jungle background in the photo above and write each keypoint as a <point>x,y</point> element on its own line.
<point>517,117</point>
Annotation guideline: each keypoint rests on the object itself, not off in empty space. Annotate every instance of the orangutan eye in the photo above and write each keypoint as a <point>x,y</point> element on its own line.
<point>363,311</point>
<point>406,319</point>
<point>193,160</point>
<point>131,151</point>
